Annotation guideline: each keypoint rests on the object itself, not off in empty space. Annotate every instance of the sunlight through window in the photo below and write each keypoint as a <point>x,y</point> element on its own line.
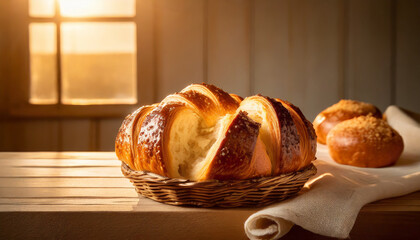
<point>97,58</point>
<point>43,65</point>
<point>97,8</point>
<point>98,54</point>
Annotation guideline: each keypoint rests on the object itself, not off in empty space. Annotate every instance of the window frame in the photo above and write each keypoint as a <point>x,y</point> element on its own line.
<point>18,66</point>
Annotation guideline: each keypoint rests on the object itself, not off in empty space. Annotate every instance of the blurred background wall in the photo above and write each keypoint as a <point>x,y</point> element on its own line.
<point>311,53</point>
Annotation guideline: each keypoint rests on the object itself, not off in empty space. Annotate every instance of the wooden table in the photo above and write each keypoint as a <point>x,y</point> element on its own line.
<point>83,195</point>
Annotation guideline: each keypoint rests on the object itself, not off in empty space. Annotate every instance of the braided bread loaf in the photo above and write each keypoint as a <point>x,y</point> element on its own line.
<point>204,133</point>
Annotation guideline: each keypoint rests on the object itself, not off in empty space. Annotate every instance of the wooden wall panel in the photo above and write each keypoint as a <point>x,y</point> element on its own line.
<point>229,45</point>
<point>299,52</point>
<point>75,135</point>
<point>408,54</point>
<point>29,135</point>
<point>19,52</point>
<point>38,135</point>
<point>311,53</point>
<point>146,69</point>
<point>6,140</point>
<point>4,59</point>
<point>369,72</point>
<point>271,47</point>
<point>322,63</point>
<point>108,129</point>
<point>179,44</point>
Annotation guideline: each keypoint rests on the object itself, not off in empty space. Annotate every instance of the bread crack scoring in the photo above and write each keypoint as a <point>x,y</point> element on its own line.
<point>205,133</point>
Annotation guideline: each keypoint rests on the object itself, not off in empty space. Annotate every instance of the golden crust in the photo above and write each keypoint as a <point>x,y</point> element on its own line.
<point>240,151</point>
<point>306,133</point>
<point>127,137</point>
<point>234,155</point>
<point>290,156</point>
<point>365,141</point>
<point>151,146</point>
<point>341,111</point>
<point>222,100</point>
<point>237,98</point>
<point>289,138</point>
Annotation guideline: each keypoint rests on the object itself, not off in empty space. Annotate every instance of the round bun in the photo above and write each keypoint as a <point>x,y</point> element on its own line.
<point>365,141</point>
<point>205,133</point>
<point>341,111</point>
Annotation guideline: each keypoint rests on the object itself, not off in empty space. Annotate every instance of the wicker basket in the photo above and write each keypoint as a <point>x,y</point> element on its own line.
<point>214,193</point>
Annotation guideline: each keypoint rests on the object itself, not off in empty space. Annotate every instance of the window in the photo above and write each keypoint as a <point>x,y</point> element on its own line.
<point>81,62</point>
<point>81,58</point>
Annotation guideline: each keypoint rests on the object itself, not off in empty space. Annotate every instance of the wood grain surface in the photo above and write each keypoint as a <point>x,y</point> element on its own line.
<point>83,195</point>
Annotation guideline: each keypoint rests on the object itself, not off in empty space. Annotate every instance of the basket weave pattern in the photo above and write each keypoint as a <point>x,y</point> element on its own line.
<point>214,193</point>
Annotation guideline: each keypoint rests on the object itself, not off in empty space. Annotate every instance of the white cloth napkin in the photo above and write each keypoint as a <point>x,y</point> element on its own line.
<point>331,200</point>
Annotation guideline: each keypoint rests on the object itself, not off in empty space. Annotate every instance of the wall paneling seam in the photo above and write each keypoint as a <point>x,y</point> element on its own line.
<point>393,70</point>
<point>205,41</point>
<point>94,134</point>
<point>345,81</point>
<point>155,53</point>
<point>57,21</point>
<point>60,135</point>
<point>251,47</point>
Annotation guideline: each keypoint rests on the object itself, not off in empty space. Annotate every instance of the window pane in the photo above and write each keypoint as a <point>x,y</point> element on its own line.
<point>97,8</point>
<point>98,63</point>
<point>41,8</point>
<point>42,47</point>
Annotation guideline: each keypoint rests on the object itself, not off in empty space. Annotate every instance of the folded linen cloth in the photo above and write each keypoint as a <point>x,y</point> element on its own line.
<point>330,201</point>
